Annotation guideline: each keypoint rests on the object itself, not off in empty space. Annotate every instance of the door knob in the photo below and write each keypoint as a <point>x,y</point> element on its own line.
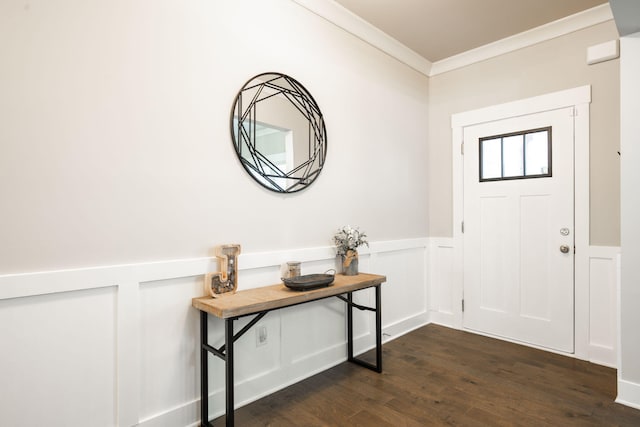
<point>564,249</point>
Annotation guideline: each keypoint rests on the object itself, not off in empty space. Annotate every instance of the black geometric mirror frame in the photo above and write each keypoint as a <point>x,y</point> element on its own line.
<point>246,124</point>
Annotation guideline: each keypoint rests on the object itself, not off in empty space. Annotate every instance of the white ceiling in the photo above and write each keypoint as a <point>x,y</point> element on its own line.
<point>438,29</point>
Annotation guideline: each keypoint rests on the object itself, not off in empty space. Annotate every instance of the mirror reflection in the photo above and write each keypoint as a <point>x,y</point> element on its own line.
<point>278,133</point>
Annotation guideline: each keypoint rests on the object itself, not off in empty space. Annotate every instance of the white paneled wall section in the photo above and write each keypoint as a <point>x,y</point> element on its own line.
<point>119,345</point>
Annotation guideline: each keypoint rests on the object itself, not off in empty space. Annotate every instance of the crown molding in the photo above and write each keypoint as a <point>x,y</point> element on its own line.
<point>358,27</point>
<point>561,27</point>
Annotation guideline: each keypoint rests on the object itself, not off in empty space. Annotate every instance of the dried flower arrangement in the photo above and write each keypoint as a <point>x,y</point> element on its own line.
<point>347,240</point>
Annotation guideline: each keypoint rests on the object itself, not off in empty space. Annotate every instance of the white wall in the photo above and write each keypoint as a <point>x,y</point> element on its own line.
<point>118,177</point>
<point>629,372</point>
<point>116,145</point>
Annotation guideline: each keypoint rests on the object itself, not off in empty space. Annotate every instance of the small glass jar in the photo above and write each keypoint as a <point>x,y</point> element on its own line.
<point>293,269</point>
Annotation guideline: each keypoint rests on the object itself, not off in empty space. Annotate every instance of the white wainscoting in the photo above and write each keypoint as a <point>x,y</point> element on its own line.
<point>118,345</point>
<point>628,393</point>
<point>603,305</point>
<point>601,338</point>
<point>444,301</point>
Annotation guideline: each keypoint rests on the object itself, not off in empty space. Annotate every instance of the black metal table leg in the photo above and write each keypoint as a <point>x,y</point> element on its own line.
<point>226,353</point>
<point>378,310</point>
<point>350,327</point>
<point>378,329</point>
<point>229,338</point>
<point>204,372</point>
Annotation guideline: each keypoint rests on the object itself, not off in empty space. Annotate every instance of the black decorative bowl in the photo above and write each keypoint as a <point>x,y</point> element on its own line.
<point>309,281</point>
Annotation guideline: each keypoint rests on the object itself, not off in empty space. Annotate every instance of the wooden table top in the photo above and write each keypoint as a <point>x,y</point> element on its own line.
<point>278,296</point>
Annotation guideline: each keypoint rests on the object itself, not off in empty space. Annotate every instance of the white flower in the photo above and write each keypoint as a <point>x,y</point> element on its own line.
<point>349,238</point>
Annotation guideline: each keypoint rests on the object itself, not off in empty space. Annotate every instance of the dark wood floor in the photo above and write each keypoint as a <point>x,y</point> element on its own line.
<point>440,376</point>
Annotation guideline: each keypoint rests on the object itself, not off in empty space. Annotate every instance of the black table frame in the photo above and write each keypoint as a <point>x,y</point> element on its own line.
<point>226,351</point>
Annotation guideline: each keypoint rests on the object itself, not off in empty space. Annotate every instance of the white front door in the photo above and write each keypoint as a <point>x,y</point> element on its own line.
<point>519,229</point>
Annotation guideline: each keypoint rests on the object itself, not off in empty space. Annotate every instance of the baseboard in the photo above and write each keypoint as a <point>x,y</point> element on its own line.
<point>628,394</point>
<point>403,327</point>
<point>602,355</point>
<point>443,319</point>
<point>182,415</point>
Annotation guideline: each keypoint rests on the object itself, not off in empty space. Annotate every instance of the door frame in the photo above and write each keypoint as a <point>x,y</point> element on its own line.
<point>579,98</point>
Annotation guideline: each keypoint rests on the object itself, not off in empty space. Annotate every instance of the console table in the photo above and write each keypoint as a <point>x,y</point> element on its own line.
<point>258,302</point>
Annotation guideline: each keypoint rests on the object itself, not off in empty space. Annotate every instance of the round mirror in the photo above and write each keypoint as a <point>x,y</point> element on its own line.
<point>278,133</point>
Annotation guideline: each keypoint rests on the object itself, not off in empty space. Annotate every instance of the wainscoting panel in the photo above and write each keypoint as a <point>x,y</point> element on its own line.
<point>118,345</point>
<point>168,344</point>
<point>402,299</point>
<point>58,359</point>
<point>603,306</point>
<point>444,306</point>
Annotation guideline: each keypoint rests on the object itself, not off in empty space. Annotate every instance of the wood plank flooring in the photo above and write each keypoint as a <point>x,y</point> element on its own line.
<point>440,376</point>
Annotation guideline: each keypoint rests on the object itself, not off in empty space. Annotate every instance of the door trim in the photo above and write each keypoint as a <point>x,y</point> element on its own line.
<point>579,98</point>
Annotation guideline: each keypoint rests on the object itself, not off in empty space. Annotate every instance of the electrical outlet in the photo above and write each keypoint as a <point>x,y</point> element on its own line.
<point>261,335</point>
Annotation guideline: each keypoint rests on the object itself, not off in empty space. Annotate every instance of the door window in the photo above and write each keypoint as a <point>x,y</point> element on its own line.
<point>518,155</point>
